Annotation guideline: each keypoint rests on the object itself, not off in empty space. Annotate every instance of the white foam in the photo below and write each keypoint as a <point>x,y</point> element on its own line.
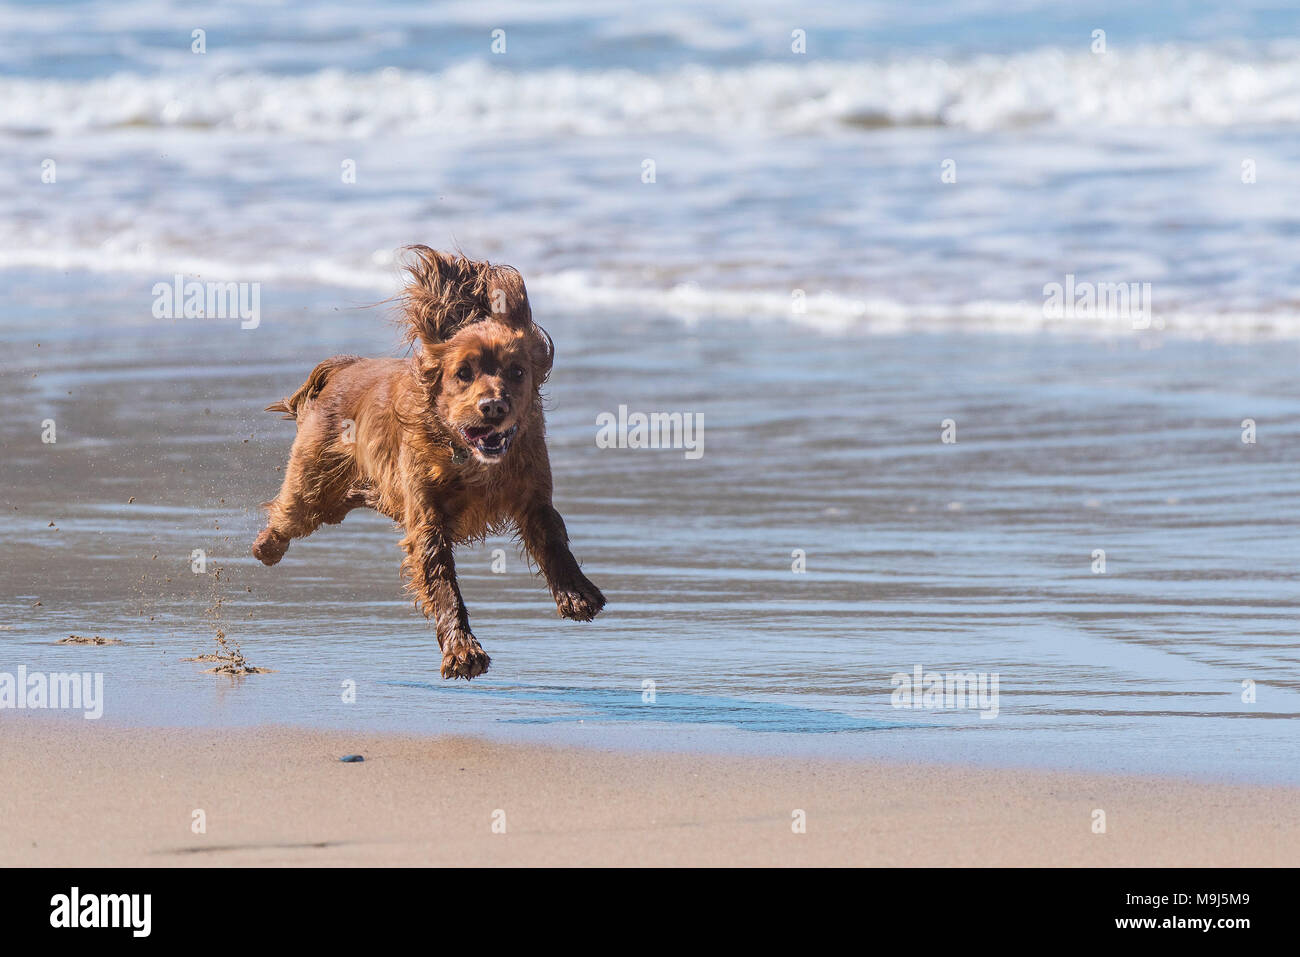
<point>826,311</point>
<point>830,311</point>
<point>1145,86</point>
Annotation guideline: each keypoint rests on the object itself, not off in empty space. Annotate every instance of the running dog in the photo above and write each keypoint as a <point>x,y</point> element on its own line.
<point>449,443</point>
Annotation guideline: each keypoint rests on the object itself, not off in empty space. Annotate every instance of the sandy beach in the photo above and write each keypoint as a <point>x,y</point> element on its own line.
<point>86,795</point>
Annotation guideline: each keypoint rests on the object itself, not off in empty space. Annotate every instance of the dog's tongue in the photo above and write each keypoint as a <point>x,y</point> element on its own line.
<point>478,432</point>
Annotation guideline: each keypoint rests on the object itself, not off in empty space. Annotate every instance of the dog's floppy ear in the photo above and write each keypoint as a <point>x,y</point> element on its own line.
<point>446,291</point>
<point>543,354</point>
<point>429,363</point>
<point>506,296</point>
<point>438,298</point>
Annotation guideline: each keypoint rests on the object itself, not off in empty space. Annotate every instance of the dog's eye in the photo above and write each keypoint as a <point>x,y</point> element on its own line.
<point>516,372</point>
<point>464,373</point>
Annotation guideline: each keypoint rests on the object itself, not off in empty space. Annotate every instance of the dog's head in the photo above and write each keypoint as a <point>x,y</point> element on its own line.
<point>481,360</point>
<point>488,380</point>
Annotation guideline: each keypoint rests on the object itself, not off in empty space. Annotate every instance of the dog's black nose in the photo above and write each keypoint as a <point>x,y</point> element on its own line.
<point>494,408</point>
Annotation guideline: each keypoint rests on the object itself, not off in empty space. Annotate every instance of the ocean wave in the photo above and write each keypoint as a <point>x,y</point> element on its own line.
<point>835,312</point>
<point>1145,86</point>
<point>573,290</point>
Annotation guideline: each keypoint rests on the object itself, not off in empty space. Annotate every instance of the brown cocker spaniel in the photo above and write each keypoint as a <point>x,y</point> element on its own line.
<point>450,443</point>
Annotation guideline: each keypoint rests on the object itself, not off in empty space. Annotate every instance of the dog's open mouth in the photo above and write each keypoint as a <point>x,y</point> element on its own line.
<point>487,441</point>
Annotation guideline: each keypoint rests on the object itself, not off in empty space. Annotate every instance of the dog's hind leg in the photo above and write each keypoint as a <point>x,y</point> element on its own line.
<point>354,497</point>
<point>317,489</point>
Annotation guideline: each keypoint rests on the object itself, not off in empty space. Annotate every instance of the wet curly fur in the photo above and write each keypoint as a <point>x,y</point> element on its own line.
<point>450,443</point>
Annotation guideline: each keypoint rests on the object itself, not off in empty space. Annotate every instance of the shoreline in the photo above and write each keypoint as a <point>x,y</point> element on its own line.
<point>78,795</point>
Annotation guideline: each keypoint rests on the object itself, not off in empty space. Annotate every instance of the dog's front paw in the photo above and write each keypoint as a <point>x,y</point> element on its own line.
<point>463,657</point>
<point>579,600</point>
<point>270,547</point>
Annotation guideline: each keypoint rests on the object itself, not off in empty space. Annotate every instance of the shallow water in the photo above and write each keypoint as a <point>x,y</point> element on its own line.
<point>968,557</point>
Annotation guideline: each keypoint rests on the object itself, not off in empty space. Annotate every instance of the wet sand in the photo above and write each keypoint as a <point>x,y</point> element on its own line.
<point>79,793</point>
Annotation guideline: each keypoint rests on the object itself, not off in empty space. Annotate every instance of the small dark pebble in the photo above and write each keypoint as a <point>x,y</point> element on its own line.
<point>351,758</point>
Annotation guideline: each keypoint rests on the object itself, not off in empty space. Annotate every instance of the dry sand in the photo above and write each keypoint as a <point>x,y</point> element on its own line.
<point>86,794</point>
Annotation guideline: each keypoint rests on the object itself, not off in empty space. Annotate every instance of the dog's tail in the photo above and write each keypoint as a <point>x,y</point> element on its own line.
<point>294,404</point>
